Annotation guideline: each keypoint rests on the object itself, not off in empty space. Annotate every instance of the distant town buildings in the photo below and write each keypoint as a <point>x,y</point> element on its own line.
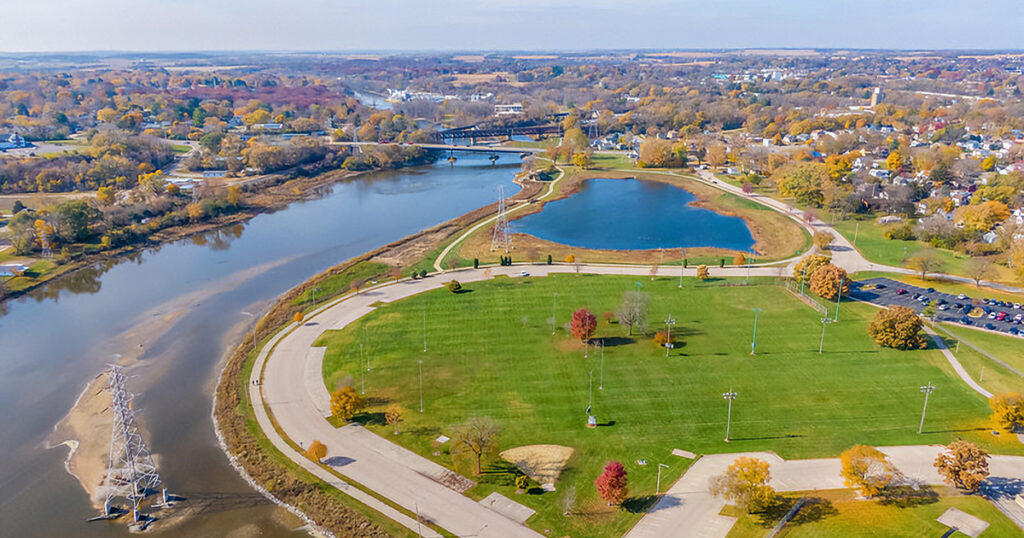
<point>508,110</point>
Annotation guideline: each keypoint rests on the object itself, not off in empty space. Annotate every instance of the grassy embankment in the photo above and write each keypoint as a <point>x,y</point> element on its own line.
<point>491,352</point>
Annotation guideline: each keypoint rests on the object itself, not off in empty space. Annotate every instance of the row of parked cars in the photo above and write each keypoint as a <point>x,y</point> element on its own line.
<point>991,314</point>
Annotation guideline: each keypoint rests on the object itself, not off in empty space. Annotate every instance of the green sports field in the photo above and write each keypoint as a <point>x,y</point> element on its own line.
<point>490,352</point>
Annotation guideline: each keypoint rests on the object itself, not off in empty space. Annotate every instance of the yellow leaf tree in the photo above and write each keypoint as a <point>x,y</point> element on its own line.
<point>828,281</point>
<point>1007,411</point>
<point>868,470</point>
<point>345,403</point>
<point>745,484</point>
<point>316,451</point>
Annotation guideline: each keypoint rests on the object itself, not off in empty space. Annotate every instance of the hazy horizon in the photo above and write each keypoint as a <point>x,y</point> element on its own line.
<point>505,25</point>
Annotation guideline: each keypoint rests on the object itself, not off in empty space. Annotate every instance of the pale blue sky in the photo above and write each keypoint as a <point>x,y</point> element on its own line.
<point>330,25</point>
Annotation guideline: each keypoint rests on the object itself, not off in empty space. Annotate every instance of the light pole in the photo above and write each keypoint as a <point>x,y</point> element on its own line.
<point>730,396</point>
<point>927,390</point>
<point>554,300</point>
<point>669,322</point>
<point>839,296</point>
<point>362,373</point>
<point>856,232</point>
<point>824,321</point>
<point>421,385</point>
<point>753,342</point>
<point>682,266</point>
<point>657,488</point>
<point>424,328</point>
<point>600,382</point>
<point>803,278</point>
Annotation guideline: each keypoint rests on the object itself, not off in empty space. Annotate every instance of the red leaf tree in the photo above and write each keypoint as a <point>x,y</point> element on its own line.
<point>611,485</point>
<point>583,324</point>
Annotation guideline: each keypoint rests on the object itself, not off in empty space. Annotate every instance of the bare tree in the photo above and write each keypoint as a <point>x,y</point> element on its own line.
<point>568,500</point>
<point>632,311</point>
<point>477,437</point>
<point>979,269</point>
<point>925,261</point>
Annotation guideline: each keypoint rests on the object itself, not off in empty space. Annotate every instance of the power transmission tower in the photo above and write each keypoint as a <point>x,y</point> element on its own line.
<point>501,238</point>
<point>131,473</point>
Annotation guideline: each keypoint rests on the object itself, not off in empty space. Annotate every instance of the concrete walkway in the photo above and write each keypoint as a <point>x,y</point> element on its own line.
<point>688,510</point>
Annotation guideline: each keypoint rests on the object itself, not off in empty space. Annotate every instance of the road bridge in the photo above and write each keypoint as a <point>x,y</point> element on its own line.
<point>454,147</point>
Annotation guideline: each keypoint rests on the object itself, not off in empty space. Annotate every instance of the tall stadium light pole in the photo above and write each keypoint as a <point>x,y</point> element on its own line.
<point>753,342</point>
<point>730,396</point>
<point>657,489</point>
<point>669,322</point>
<point>682,266</point>
<point>824,321</point>
<point>362,373</point>
<point>600,383</point>
<point>424,328</point>
<point>554,300</point>
<point>590,399</point>
<point>839,296</point>
<point>927,390</point>
<point>803,278</point>
<point>421,385</point>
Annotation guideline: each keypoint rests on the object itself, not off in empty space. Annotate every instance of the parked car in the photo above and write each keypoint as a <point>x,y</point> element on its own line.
<point>901,291</point>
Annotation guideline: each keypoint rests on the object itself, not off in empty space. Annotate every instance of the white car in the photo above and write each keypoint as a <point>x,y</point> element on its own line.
<point>523,273</point>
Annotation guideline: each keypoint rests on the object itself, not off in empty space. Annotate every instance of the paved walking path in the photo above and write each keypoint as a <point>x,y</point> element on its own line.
<point>688,510</point>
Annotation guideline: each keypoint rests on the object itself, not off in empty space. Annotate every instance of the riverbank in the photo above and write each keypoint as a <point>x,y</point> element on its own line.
<point>776,237</point>
<point>268,199</point>
<point>247,447</point>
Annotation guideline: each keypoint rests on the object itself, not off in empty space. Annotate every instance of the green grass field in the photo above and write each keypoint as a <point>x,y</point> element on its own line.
<point>490,352</point>
<point>838,513</point>
<point>871,242</point>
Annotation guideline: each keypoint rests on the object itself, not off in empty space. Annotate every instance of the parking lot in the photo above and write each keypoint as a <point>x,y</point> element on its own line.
<point>998,316</point>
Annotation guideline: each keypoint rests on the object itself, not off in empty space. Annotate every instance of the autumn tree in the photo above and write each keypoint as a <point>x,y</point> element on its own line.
<point>658,153</point>
<point>477,438</point>
<point>703,273</point>
<point>868,470</point>
<point>963,465</point>
<point>345,403</point>
<point>105,195</point>
<point>632,311</point>
<point>739,259</point>
<point>897,327</point>
<point>823,239</point>
<point>582,159</point>
<point>316,451</point>
<point>979,268</point>
<point>829,281</point>
<point>1007,411</point>
<point>297,318</point>
<point>583,324</point>
<point>612,485</point>
<point>925,261</point>
<point>894,162</point>
<point>805,268</point>
<point>393,415</point>
<point>454,286</point>
<point>745,484</point>
<point>802,182</point>
<point>981,217</point>
<point>661,338</point>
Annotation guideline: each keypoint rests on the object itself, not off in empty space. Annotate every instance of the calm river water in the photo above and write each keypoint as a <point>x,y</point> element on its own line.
<point>57,339</point>
<point>634,214</point>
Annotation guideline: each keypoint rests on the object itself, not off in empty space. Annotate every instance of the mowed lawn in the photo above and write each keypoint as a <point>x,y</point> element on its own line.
<point>490,352</point>
<point>839,513</point>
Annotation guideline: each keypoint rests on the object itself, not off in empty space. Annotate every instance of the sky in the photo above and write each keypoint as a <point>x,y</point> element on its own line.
<point>469,25</point>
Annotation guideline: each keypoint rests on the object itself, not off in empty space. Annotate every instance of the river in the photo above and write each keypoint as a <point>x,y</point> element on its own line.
<point>56,339</point>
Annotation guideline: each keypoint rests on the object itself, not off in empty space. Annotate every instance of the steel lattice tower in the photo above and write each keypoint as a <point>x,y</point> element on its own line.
<point>131,473</point>
<point>501,238</point>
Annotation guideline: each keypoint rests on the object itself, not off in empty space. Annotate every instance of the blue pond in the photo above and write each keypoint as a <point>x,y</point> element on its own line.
<point>632,214</point>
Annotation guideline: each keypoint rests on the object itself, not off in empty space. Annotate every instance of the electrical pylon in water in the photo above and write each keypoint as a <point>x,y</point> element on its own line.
<point>131,473</point>
<point>501,239</point>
